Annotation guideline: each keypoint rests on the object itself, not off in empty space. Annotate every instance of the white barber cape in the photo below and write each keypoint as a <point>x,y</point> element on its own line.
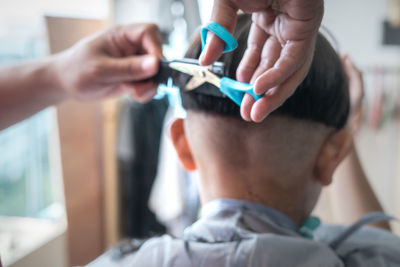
<point>239,233</point>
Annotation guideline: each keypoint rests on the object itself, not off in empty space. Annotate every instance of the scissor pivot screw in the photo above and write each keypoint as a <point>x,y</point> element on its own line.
<point>202,73</point>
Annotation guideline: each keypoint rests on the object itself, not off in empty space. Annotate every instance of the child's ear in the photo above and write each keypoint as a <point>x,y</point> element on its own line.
<point>180,142</point>
<point>333,151</point>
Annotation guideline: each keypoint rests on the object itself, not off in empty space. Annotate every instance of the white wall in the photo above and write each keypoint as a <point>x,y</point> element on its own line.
<point>134,11</point>
<point>22,10</point>
<point>357,25</point>
<point>22,18</point>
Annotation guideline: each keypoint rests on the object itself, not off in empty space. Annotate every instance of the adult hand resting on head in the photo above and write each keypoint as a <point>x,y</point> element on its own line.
<point>104,64</point>
<point>280,48</point>
<point>356,94</point>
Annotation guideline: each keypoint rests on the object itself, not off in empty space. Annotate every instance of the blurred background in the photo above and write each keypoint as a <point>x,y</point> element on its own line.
<point>78,178</point>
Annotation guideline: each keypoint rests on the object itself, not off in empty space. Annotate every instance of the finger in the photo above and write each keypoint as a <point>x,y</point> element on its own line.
<point>122,45</point>
<point>113,92</point>
<point>276,96</point>
<point>272,100</point>
<point>224,13</point>
<point>270,54</point>
<point>152,41</point>
<point>146,37</point>
<point>245,107</point>
<point>266,104</point>
<point>293,56</point>
<point>141,92</point>
<point>264,19</point>
<point>252,55</point>
<point>134,68</point>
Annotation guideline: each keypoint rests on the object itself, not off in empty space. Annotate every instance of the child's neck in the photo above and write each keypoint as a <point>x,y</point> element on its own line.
<point>293,200</point>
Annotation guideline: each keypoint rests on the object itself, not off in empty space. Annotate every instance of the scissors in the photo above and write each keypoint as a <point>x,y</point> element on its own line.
<point>204,76</point>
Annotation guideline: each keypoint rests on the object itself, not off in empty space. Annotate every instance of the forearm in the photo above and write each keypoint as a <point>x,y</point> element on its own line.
<point>351,193</point>
<point>26,89</point>
<point>96,67</point>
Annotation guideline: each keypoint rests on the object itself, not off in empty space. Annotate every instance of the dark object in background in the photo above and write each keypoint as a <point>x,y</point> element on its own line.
<point>138,142</point>
<point>391,34</point>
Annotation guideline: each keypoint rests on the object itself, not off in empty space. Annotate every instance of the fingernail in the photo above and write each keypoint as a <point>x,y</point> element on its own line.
<point>263,118</point>
<point>149,64</point>
<point>258,120</point>
<point>203,54</point>
<point>246,119</point>
<point>259,117</point>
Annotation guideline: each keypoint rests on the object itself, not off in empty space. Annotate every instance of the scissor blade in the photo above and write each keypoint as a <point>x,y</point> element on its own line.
<point>203,80</point>
<point>190,69</point>
<point>194,82</point>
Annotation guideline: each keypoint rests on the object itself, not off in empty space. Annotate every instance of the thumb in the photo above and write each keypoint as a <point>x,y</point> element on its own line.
<point>224,13</point>
<point>128,69</point>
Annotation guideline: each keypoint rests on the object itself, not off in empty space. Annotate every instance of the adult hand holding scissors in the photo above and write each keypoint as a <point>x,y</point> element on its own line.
<point>279,51</point>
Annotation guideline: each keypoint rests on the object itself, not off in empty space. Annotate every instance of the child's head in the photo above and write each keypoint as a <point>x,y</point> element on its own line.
<point>282,161</point>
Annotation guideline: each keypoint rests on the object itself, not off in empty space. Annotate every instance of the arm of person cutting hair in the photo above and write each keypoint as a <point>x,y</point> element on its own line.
<point>102,65</point>
<point>351,194</point>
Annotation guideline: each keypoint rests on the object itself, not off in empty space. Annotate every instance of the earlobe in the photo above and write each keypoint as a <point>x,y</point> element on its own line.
<point>180,142</point>
<point>333,151</point>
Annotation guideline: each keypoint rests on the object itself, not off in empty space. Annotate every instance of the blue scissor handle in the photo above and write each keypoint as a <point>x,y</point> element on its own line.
<point>221,32</point>
<point>235,90</point>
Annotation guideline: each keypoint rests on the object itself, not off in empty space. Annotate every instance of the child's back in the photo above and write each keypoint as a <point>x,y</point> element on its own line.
<point>260,182</point>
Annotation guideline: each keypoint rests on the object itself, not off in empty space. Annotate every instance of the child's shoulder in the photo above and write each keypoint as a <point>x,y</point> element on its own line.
<point>366,246</point>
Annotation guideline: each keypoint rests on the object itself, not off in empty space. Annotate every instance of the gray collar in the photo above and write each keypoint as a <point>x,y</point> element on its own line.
<point>215,206</point>
<point>224,220</point>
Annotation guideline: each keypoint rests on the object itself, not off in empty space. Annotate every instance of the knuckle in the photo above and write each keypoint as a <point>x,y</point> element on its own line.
<point>131,68</point>
<point>265,63</point>
<point>253,47</point>
<point>153,28</point>
<point>245,70</point>
<point>150,27</point>
<point>94,69</point>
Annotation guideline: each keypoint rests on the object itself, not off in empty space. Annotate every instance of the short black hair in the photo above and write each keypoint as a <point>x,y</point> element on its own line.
<point>322,97</point>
